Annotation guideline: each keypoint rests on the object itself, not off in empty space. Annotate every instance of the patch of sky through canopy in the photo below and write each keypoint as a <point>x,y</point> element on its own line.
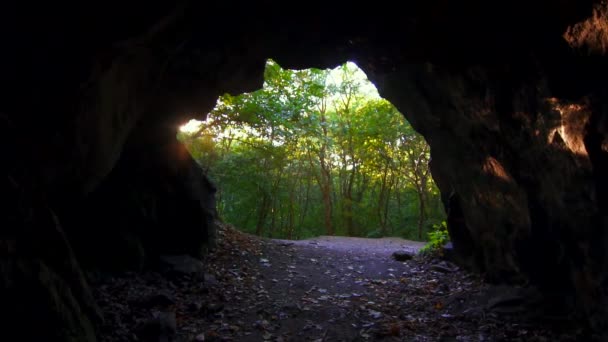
<point>335,78</point>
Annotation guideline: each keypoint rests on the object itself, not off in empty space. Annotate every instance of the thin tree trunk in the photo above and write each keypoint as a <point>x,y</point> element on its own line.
<point>348,216</point>
<point>305,206</point>
<point>326,177</point>
<point>421,214</point>
<point>381,199</point>
<point>326,190</point>
<point>245,221</point>
<point>386,205</point>
<point>262,214</point>
<point>291,216</point>
<point>348,203</point>
<point>398,194</point>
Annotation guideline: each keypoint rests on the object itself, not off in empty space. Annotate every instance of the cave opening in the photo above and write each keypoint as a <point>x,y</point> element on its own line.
<point>316,152</point>
<point>109,216</point>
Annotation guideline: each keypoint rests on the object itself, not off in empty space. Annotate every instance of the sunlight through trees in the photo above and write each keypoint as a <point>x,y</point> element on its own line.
<point>316,152</point>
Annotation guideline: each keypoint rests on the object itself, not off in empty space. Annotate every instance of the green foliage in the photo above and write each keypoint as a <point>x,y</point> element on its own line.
<point>438,237</point>
<point>316,152</point>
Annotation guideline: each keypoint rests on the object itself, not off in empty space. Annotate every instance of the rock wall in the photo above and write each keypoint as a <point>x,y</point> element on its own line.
<point>513,166</point>
<point>41,281</point>
<point>156,201</point>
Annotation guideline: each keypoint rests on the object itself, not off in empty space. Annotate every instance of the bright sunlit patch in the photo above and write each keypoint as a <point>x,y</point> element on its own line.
<point>574,118</point>
<point>339,76</point>
<point>493,167</point>
<point>191,126</point>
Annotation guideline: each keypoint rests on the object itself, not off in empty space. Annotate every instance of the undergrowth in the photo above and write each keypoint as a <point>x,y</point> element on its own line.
<point>438,237</point>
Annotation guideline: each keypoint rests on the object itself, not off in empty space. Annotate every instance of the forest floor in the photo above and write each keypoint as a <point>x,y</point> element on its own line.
<point>322,289</point>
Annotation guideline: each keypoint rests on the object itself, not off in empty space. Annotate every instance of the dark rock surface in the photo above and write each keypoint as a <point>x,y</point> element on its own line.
<point>143,214</point>
<point>402,256</point>
<point>40,278</point>
<point>182,265</point>
<point>161,327</point>
<point>516,116</point>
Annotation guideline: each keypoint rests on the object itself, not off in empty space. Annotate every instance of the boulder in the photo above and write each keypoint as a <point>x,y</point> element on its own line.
<point>161,327</point>
<point>182,265</point>
<point>403,255</point>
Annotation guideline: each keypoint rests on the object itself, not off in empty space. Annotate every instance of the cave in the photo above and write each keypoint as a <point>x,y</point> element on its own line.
<point>510,97</point>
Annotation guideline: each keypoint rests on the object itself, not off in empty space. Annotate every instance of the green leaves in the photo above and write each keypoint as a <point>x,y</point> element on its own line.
<point>438,237</point>
<point>316,151</point>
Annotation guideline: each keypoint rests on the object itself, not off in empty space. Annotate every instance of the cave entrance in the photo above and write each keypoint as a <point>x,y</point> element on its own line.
<point>316,152</point>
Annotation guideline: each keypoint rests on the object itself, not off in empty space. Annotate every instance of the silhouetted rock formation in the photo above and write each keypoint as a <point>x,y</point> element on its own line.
<point>516,118</point>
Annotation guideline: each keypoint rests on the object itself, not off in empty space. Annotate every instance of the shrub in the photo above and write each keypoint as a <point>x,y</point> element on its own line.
<point>438,237</point>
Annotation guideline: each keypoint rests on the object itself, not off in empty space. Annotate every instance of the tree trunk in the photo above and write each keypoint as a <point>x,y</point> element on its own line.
<point>398,194</point>
<point>348,216</point>
<point>305,205</point>
<point>348,202</point>
<point>386,206</point>
<point>381,198</point>
<point>273,203</point>
<point>326,176</point>
<point>292,214</point>
<point>326,190</point>
<point>245,221</point>
<point>262,213</point>
<point>421,212</point>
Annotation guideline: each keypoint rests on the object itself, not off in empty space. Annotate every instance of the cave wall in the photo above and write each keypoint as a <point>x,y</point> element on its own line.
<point>512,164</point>
<point>516,119</point>
<point>141,214</point>
<point>92,169</point>
<point>41,279</point>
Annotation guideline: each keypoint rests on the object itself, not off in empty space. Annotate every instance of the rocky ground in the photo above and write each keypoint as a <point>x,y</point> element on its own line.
<point>324,289</point>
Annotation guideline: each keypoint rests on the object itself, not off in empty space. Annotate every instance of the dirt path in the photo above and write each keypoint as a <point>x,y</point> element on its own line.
<point>355,246</point>
<point>323,289</point>
<point>330,284</point>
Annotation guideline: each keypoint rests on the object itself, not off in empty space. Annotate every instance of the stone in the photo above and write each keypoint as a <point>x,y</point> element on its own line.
<point>448,253</point>
<point>182,265</point>
<point>158,300</point>
<point>214,308</point>
<point>403,255</point>
<point>161,327</point>
<point>195,307</point>
<point>210,280</point>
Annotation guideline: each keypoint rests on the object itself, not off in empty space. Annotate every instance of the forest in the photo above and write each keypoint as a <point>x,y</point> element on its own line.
<point>316,152</point>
